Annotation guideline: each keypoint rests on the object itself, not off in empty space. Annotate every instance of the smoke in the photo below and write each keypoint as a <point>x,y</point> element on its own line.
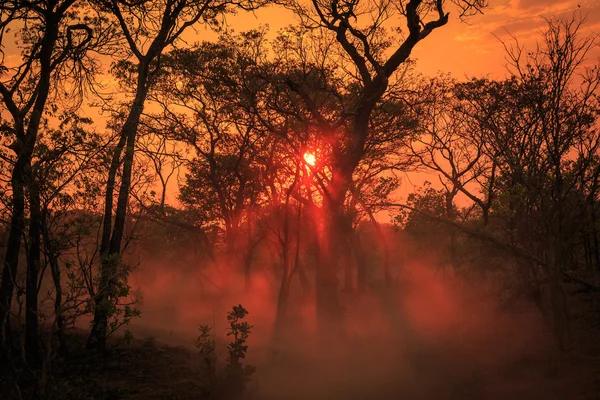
<point>433,336</point>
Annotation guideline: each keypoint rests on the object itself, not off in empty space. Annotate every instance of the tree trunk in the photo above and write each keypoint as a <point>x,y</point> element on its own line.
<point>558,307</point>
<point>596,247</point>
<point>557,263</point>
<point>52,254</point>
<point>361,264</point>
<point>24,146</point>
<point>13,247</point>
<point>231,249</point>
<point>111,250</point>
<point>32,349</point>
<point>329,311</point>
<point>281,320</point>
<point>298,268</point>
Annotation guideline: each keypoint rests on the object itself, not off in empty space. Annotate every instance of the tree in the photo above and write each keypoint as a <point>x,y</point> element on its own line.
<point>197,97</point>
<point>67,164</point>
<point>370,60</point>
<point>529,147</point>
<point>55,39</point>
<point>149,28</point>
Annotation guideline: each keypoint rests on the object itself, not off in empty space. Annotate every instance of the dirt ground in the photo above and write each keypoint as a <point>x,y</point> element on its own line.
<point>147,369</point>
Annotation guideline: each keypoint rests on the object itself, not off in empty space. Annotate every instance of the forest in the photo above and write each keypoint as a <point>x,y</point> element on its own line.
<point>190,210</point>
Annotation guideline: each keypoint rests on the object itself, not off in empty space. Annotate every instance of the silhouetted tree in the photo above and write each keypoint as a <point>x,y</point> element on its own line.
<point>524,151</point>
<point>55,40</point>
<point>149,28</point>
<point>352,35</point>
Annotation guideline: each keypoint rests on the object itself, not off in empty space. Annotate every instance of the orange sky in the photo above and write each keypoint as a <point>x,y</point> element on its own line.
<point>464,48</point>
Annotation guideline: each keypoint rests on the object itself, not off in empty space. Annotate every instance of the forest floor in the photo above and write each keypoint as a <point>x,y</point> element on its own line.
<point>146,369</point>
<point>500,363</point>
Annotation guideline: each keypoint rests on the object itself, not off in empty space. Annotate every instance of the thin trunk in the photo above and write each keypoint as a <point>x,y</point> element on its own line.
<point>111,250</point>
<point>361,267</point>
<point>52,253</point>
<point>249,255</point>
<point>304,284</point>
<point>595,238</point>
<point>558,301</point>
<point>348,275</point>
<point>557,306</point>
<point>281,320</point>
<point>286,277</point>
<point>11,259</point>
<point>231,246</point>
<point>32,348</point>
<point>450,215</point>
<point>387,275</point>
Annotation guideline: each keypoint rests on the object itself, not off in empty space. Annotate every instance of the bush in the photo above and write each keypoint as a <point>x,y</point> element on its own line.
<point>231,381</point>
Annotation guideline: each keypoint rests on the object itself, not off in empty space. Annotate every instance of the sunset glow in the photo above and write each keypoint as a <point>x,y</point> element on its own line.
<point>310,159</point>
<point>300,199</point>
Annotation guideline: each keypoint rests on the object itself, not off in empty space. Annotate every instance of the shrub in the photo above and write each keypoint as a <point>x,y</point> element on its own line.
<point>229,383</point>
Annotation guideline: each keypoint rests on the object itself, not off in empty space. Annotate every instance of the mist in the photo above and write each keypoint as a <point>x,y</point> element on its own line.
<point>436,336</point>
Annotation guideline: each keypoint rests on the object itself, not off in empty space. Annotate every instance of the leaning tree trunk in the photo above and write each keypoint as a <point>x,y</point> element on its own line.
<point>110,247</point>
<point>24,146</point>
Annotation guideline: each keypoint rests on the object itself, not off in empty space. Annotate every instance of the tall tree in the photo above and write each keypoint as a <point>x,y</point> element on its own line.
<point>367,57</point>
<point>149,27</point>
<point>54,39</point>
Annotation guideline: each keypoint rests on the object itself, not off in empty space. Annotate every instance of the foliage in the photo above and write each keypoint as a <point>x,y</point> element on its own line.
<point>237,349</point>
<point>230,382</point>
<point>119,305</point>
<point>206,344</point>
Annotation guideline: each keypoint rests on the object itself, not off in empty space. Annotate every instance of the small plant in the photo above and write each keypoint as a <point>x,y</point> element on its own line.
<point>237,374</point>
<point>229,383</point>
<point>206,345</point>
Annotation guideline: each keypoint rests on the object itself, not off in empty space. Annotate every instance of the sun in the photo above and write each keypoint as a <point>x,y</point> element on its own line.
<point>310,159</point>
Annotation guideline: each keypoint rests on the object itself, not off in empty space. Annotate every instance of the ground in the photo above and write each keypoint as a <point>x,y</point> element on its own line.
<point>146,369</point>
